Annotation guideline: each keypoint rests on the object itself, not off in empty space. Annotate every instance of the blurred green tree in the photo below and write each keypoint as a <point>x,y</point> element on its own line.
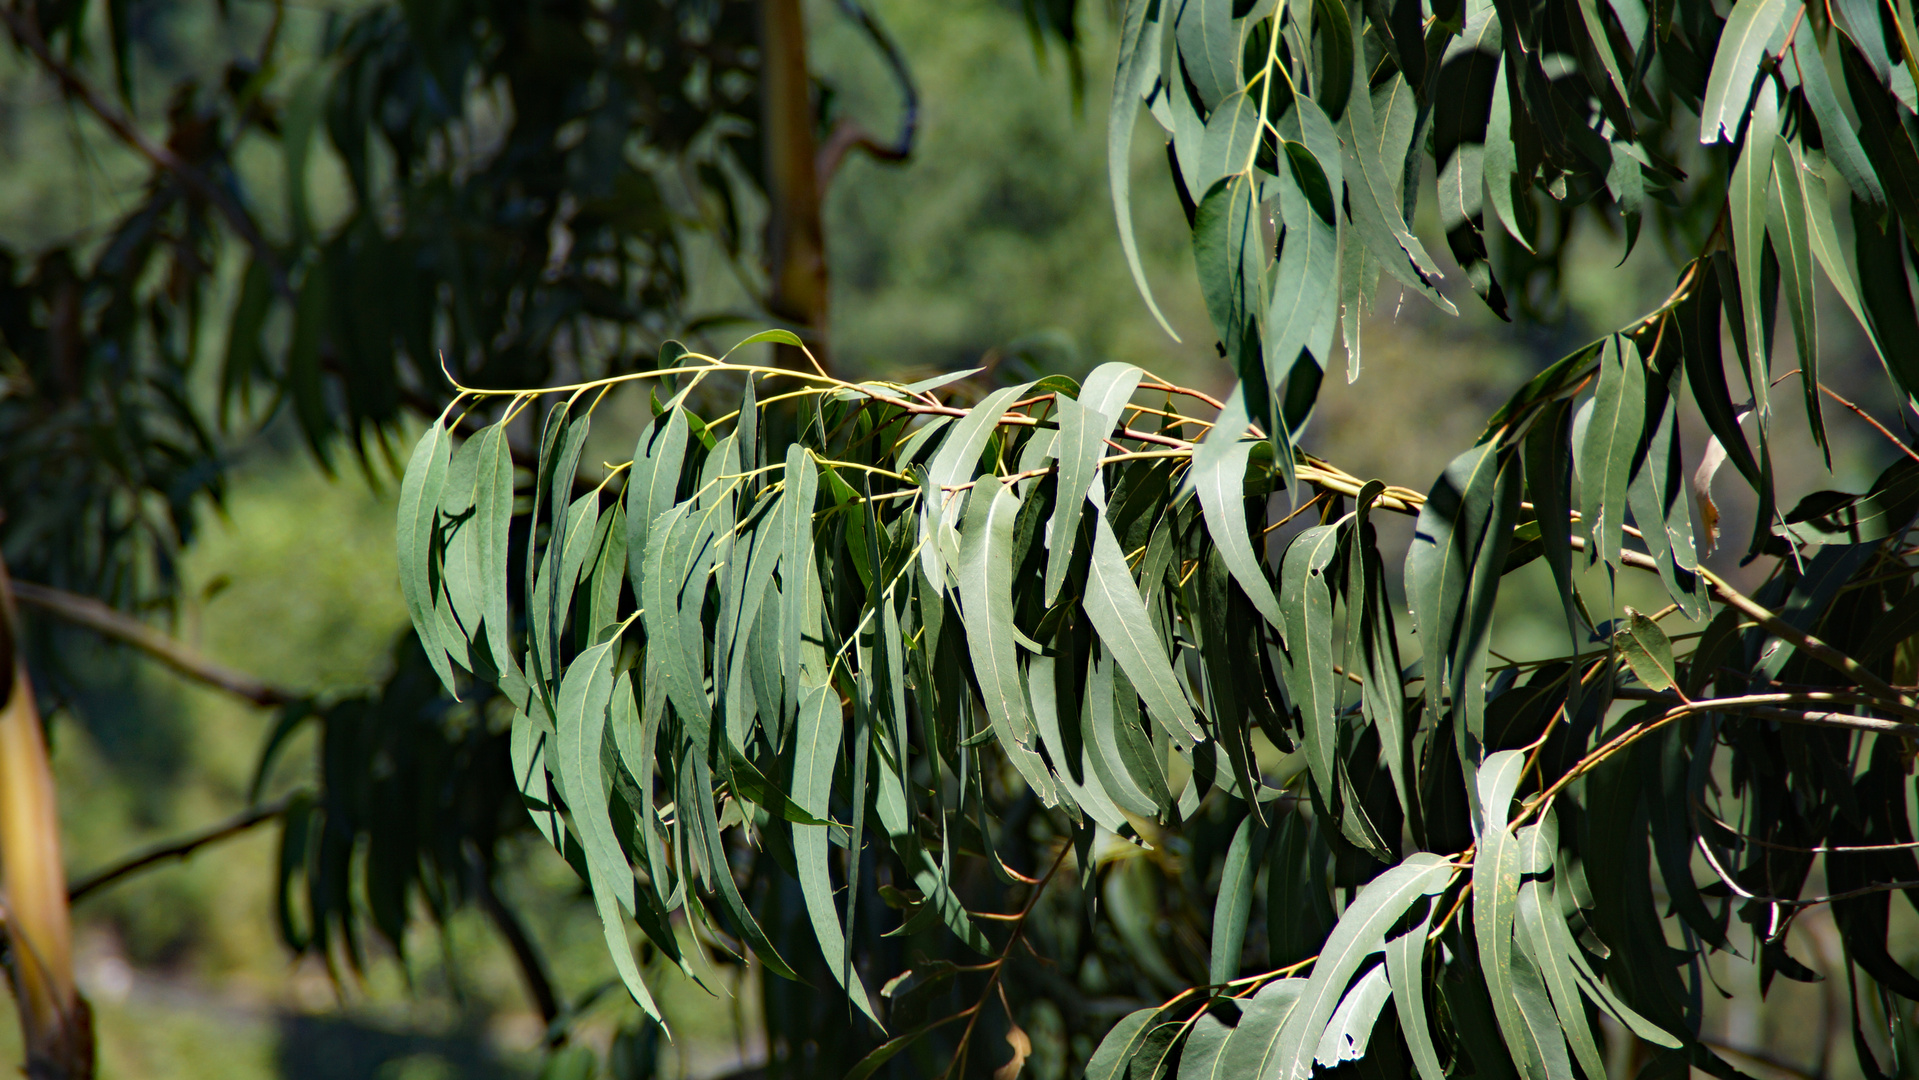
<point>978,715</point>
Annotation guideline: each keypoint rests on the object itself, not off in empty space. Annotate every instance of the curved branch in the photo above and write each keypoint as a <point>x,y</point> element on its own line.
<point>1770,707</point>
<point>177,849</point>
<point>105,621</point>
<point>850,135</point>
<point>539,986</point>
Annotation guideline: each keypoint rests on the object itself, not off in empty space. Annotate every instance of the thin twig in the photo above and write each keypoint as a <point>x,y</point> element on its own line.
<point>1768,706</point>
<point>177,849</point>
<point>998,964</point>
<point>1867,417</point>
<point>107,622</point>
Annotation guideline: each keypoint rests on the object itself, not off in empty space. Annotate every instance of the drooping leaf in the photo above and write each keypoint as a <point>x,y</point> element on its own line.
<point>1118,613</point>
<point>1406,968</point>
<point>1351,1026</point>
<point>1254,1047</point>
<point>986,602</point>
<point>1235,900</point>
<point>420,491</point>
<point>1360,932</point>
<point>493,518</point>
<point>816,752</point>
<point>1605,453</point>
<point>1735,65</point>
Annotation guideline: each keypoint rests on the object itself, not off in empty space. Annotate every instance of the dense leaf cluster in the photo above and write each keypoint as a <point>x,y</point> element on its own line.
<point>522,185</point>
<point>849,649</point>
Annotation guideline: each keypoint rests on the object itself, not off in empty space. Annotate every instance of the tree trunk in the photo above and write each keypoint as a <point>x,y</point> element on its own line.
<point>795,241</point>
<point>55,1022</point>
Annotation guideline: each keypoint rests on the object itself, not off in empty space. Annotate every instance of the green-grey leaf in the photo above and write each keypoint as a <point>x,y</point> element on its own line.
<point>493,518</point>
<point>1647,650</point>
<point>1082,436</point>
<point>1253,1049</point>
<point>1351,1027</point>
<point>777,337</point>
<point>1118,613</point>
<point>1405,966</point>
<point>653,482</point>
<point>1219,476</point>
<point>1535,907</point>
<point>815,752</point>
<point>420,491</point>
<point>1746,198</point>
<point>1360,932</point>
<point>1234,902</point>
<point>584,696</point>
<point>1122,1041</point>
<point>1208,48</point>
<point>1496,871</point>
<point>986,608</point>
<point>1734,67</point>
<point>1204,1052</point>
<point>1307,599</point>
<point>1611,438</point>
<point>1836,129</point>
<point>1138,55</point>
<point>1374,202</point>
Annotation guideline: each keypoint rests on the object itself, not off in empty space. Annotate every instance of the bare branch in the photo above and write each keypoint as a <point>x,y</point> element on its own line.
<point>105,621</point>
<point>177,849</point>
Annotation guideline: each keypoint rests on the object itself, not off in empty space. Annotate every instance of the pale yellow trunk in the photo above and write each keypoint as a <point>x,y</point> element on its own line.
<point>54,1020</point>
<point>796,239</point>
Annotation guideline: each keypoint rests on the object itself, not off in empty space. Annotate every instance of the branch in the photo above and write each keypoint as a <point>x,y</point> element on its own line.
<point>532,967</point>
<point>105,621</point>
<point>177,849</point>
<point>26,31</point>
<point>1801,640</point>
<point>1768,707</point>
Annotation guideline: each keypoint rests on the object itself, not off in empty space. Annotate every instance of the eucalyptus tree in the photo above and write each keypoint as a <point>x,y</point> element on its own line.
<point>865,704</point>
<point>524,189</point>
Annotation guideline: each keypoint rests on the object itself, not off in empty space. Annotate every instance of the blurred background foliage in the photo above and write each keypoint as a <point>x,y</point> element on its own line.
<point>993,244</point>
